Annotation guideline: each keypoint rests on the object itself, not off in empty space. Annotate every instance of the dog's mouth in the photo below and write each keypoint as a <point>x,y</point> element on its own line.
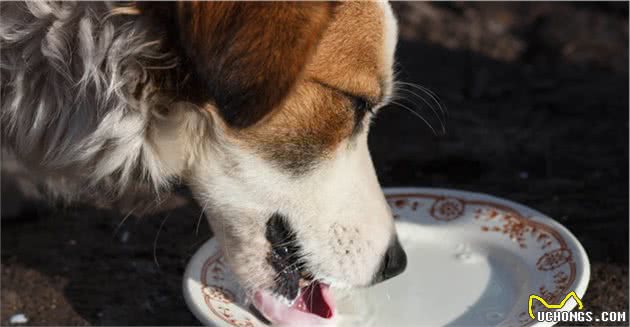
<point>296,298</point>
<point>313,305</point>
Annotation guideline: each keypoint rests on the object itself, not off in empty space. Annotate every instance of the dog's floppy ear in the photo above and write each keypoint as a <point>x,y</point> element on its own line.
<point>247,55</point>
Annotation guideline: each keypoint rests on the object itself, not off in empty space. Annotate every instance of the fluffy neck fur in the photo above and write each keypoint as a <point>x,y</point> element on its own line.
<point>80,97</point>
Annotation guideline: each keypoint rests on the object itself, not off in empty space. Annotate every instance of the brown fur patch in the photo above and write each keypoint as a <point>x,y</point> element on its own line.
<point>248,55</point>
<point>313,121</point>
<point>317,116</point>
<point>350,54</point>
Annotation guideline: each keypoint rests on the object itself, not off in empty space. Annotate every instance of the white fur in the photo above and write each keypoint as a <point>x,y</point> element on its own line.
<point>337,207</point>
<point>389,46</point>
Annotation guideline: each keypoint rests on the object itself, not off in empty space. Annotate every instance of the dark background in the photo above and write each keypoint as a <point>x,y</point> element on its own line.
<point>537,97</point>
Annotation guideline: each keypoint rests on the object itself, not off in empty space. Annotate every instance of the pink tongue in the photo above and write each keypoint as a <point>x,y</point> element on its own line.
<point>311,300</point>
<point>314,306</point>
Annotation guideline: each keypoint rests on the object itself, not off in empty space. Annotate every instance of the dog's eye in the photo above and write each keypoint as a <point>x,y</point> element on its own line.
<point>362,104</point>
<point>361,107</point>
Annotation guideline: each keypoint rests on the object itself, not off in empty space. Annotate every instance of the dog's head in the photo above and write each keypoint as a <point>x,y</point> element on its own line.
<point>284,173</point>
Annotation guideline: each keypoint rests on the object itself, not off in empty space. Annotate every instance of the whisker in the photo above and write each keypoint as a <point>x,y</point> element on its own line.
<point>287,243</point>
<point>442,108</point>
<point>156,203</point>
<point>432,94</point>
<point>293,265</point>
<point>437,115</point>
<point>278,275</point>
<point>416,114</point>
<point>157,235</point>
<point>289,240</point>
<point>203,209</point>
<point>125,219</point>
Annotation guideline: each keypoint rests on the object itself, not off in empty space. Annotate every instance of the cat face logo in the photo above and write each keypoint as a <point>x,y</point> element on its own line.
<point>552,306</point>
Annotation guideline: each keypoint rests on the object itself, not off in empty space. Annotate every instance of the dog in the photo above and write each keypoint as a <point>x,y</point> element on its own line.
<point>261,109</point>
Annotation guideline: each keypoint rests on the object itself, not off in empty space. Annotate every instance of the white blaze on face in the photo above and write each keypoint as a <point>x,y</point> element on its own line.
<point>390,38</point>
<point>352,225</point>
<point>337,210</point>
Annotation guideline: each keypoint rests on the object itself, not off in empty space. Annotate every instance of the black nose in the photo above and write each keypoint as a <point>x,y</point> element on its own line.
<point>394,262</point>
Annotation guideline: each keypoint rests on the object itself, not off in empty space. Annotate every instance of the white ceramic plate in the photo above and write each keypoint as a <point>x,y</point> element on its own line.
<point>473,260</point>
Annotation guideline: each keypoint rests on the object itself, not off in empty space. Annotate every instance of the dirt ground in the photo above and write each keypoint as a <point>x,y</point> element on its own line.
<point>537,97</point>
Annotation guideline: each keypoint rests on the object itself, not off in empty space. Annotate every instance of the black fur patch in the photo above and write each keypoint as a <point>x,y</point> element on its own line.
<point>284,256</point>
